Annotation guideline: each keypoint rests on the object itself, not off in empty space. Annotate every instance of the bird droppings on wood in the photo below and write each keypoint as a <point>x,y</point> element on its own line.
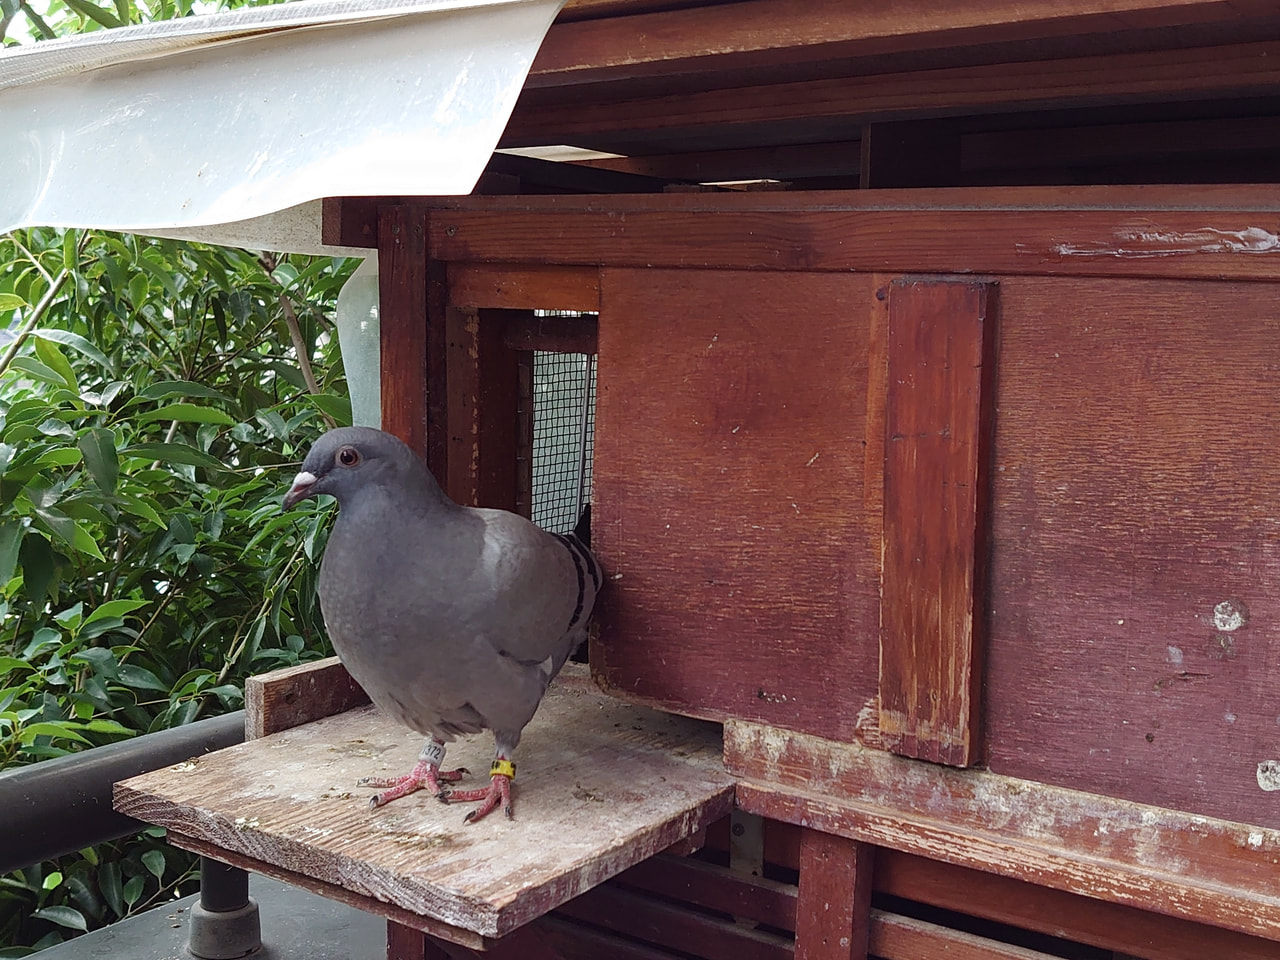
<point>1269,775</point>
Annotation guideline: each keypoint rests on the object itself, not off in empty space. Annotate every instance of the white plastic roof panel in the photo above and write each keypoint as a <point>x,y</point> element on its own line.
<point>223,118</point>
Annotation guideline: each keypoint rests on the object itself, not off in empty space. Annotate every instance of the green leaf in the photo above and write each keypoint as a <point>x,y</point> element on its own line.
<point>53,358</point>
<point>52,880</point>
<point>140,678</point>
<point>98,446</point>
<point>114,608</point>
<point>187,413</point>
<point>339,408</point>
<point>174,453</point>
<point>11,301</point>
<point>11,534</point>
<point>153,860</point>
<point>34,368</point>
<point>68,917</point>
<point>75,342</point>
<point>102,725</point>
<point>58,729</point>
<point>82,540</point>
<point>109,883</point>
<point>39,567</point>
<point>133,890</point>
<point>9,664</point>
<point>179,388</point>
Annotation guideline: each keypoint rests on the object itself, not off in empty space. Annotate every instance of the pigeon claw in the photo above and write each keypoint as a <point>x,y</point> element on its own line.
<point>497,794</point>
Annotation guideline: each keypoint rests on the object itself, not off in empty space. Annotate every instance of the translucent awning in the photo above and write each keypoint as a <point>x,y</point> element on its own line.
<point>208,122</point>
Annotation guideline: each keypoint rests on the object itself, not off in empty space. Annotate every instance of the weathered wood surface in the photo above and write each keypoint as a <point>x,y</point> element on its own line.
<point>602,786</point>
<point>293,696</point>
<point>833,910</point>
<point>731,506</point>
<point>782,233</point>
<point>1166,861</point>
<point>938,412</point>
<point>524,288</point>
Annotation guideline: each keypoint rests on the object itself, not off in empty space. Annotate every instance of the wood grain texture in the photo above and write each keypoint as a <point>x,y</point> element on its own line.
<point>716,888</point>
<point>292,696</point>
<point>402,316</point>
<point>729,496</point>
<point>938,415</point>
<point>789,235</point>
<point>896,937</point>
<point>525,331</point>
<point>1135,558</point>
<point>833,910</point>
<point>587,807</point>
<point>1165,861</point>
<point>524,288</point>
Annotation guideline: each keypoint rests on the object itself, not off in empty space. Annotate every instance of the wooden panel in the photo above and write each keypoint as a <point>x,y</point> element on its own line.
<point>905,938</point>
<point>1166,861</point>
<point>732,411</point>
<point>937,424</point>
<point>833,913</point>
<point>780,234</point>
<point>483,410</point>
<point>524,288</point>
<point>586,807</point>
<point>1135,561</point>
<point>711,887</point>
<point>293,696</point>
<point>524,331</point>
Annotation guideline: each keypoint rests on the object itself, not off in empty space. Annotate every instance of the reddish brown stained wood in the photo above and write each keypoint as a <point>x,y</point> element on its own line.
<point>523,331</point>
<point>1234,70</point>
<point>764,32</point>
<point>406,943</point>
<point>1161,860</point>
<point>834,904</point>
<point>407,355</point>
<point>293,696</point>
<point>1109,926</point>
<point>670,925</point>
<point>1135,570</point>
<point>524,288</point>
<point>1006,242</point>
<point>715,888</point>
<point>895,937</point>
<point>574,941</point>
<point>937,425</point>
<point>728,507</point>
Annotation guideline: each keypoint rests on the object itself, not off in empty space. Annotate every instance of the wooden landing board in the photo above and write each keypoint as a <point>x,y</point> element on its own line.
<point>602,786</point>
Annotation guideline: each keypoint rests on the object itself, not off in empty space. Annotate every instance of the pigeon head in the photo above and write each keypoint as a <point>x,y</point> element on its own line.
<point>348,459</point>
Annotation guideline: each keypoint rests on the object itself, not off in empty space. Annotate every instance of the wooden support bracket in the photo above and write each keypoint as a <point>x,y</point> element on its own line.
<point>833,914</point>
<point>938,413</point>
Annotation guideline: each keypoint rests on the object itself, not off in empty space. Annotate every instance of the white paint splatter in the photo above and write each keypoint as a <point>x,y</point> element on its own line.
<point>1269,775</point>
<point>1230,615</point>
<point>1138,242</point>
<point>1255,840</point>
<point>1174,654</point>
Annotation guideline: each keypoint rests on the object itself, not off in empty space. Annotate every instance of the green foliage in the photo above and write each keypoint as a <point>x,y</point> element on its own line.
<point>151,410</point>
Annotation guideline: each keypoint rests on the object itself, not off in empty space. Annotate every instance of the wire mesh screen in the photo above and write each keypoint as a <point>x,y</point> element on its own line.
<point>564,418</point>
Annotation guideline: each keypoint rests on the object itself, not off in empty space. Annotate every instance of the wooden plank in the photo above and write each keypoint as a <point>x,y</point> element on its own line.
<point>1166,861</point>
<point>761,33</point>
<point>575,941</point>
<point>523,331</point>
<point>292,696</point>
<point>587,807</point>
<point>524,288</point>
<point>1005,242</point>
<point>670,925</point>
<point>1135,575</point>
<point>1108,926</point>
<point>833,912</point>
<point>732,115</point>
<point>910,154</point>
<point>406,943</point>
<point>712,887</point>
<point>895,937</point>
<point>701,442</point>
<point>937,443</point>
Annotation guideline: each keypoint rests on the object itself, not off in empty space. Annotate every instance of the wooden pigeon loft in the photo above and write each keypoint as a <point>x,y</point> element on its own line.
<point>955,505</point>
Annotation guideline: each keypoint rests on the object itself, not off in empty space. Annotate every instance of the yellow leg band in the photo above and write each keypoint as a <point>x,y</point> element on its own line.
<point>502,767</point>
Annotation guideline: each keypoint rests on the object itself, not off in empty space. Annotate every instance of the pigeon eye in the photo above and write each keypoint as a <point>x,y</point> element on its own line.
<point>348,456</point>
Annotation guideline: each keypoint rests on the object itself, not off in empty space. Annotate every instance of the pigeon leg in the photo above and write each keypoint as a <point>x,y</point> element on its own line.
<point>498,793</point>
<point>426,774</point>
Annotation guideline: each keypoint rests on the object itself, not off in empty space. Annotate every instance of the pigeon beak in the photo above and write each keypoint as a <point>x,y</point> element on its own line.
<point>301,488</point>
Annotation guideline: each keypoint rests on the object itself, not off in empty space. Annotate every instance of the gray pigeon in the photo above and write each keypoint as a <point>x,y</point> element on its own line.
<point>453,619</point>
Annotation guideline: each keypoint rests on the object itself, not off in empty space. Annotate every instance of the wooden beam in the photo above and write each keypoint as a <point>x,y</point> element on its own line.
<point>938,424</point>
<point>628,41</point>
<point>292,696</point>
<point>834,104</point>
<point>833,914</point>
<point>1165,861</point>
<point>517,287</point>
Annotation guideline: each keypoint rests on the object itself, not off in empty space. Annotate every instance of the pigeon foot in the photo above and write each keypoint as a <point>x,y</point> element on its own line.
<point>424,776</point>
<point>498,793</point>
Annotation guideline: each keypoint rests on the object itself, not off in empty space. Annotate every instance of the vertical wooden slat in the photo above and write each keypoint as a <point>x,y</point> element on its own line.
<point>833,910</point>
<point>524,433</point>
<point>938,410</point>
<point>483,410</point>
<point>406,943</point>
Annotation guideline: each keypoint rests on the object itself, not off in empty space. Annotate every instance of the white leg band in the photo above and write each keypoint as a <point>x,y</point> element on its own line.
<point>432,752</point>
